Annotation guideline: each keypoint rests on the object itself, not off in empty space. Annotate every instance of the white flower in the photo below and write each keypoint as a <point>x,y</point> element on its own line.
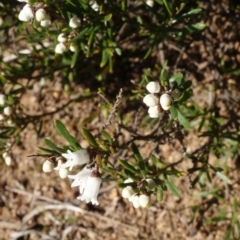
<point>40,15</point>
<point>91,190</point>
<point>153,87</point>
<point>150,100</point>
<point>74,22</point>
<point>60,48</point>
<point>5,154</point>
<point>27,1</point>
<point>166,101</point>
<point>26,14</point>
<point>2,99</point>
<point>47,166</point>
<point>127,192</point>
<point>94,6</point>
<point>135,201</point>
<point>150,3</point>
<point>73,47</point>
<point>144,200</point>
<point>76,158</point>
<point>63,173</point>
<point>154,112</point>
<point>151,183</point>
<point>47,22</point>
<point>175,94</point>
<point>8,160</point>
<point>62,38</point>
<point>7,111</point>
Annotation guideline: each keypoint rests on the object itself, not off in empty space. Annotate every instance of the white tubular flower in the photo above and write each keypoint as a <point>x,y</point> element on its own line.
<point>75,22</point>
<point>175,94</point>
<point>47,166</point>
<point>150,100</point>
<point>2,99</point>
<point>154,112</point>
<point>63,173</point>
<point>94,6</point>
<point>127,192</point>
<point>73,47</point>
<point>8,160</point>
<point>62,38</point>
<point>135,201</point>
<point>40,15</point>
<point>91,190</point>
<point>76,158</point>
<point>26,14</point>
<point>7,111</point>
<point>60,48</point>
<point>47,22</point>
<point>166,101</point>
<point>153,87</point>
<point>144,200</point>
<point>151,183</point>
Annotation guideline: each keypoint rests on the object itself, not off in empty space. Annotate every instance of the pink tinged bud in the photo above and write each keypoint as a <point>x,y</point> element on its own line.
<point>154,112</point>
<point>153,87</point>
<point>2,99</point>
<point>175,94</point>
<point>127,192</point>
<point>166,101</point>
<point>136,202</point>
<point>47,166</point>
<point>75,22</point>
<point>63,173</point>
<point>91,190</point>
<point>40,15</point>
<point>26,14</point>
<point>150,100</point>
<point>144,200</point>
<point>62,38</point>
<point>7,111</point>
<point>60,48</point>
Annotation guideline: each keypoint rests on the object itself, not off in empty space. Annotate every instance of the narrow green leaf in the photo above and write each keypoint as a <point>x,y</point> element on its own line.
<point>164,77</point>
<point>159,193</point>
<point>136,153</point>
<point>107,136</point>
<point>129,167</point>
<point>224,177</point>
<point>185,96</point>
<point>183,120</point>
<point>174,112</point>
<point>148,53</point>
<point>89,137</point>
<point>178,78</point>
<point>143,168</point>
<point>74,59</point>
<point>47,150</point>
<point>171,186</point>
<point>53,146</point>
<point>168,6</point>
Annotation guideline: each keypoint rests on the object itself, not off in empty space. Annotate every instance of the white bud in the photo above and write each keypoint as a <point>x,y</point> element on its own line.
<point>128,180</point>
<point>40,15</point>
<point>74,22</point>
<point>7,111</point>
<point>63,173</point>
<point>136,202</point>
<point>144,200</point>
<point>95,6</point>
<point>175,94</point>
<point>2,99</point>
<point>8,160</point>
<point>5,154</point>
<point>154,112</point>
<point>151,183</point>
<point>150,3</point>
<point>60,48</point>
<point>26,14</point>
<point>150,100</point>
<point>166,101</point>
<point>73,47</point>
<point>153,87</point>
<point>127,192</point>
<point>1,117</point>
<point>62,38</point>
<point>47,22</point>
<point>47,166</point>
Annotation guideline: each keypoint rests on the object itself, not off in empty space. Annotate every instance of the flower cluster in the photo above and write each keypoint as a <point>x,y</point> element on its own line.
<point>137,199</point>
<point>88,180</point>
<point>157,103</point>
<point>6,110</point>
<point>61,47</point>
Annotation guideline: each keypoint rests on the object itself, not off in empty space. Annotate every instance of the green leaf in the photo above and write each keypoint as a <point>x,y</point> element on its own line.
<point>53,146</point>
<point>74,59</point>
<point>168,6</point>
<point>198,26</point>
<point>178,78</point>
<point>136,153</point>
<point>164,77</point>
<point>183,120</point>
<point>185,96</point>
<point>174,112</point>
<point>143,168</point>
<point>129,167</point>
<point>47,150</point>
<point>107,136</point>
<point>107,17</point>
<point>171,186</point>
<point>224,177</point>
<point>64,132</point>
<point>159,193</point>
<point>89,137</point>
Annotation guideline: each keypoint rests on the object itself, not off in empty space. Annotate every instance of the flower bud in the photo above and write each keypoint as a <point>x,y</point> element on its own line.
<point>60,48</point>
<point>166,101</point>
<point>2,99</point>
<point>73,47</point>
<point>94,6</point>
<point>7,111</point>
<point>26,14</point>
<point>136,202</point>
<point>154,112</point>
<point>62,38</point>
<point>153,87</point>
<point>144,200</point>
<point>47,22</point>
<point>127,192</point>
<point>40,15</point>
<point>151,183</point>
<point>150,3</point>
<point>63,173</point>
<point>47,166</point>
<point>150,100</point>
<point>8,160</point>
<point>74,22</point>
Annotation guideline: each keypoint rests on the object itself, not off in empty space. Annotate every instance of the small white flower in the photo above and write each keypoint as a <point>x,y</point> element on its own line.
<point>73,47</point>
<point>8,110</point>
<point>47,166</point>
<point>47,22</point>
<point>62,37</point>
<point>151,183</point>
<point>144,200</point>
<point>94,6</point>
<point>175,94</point>
<point>2,99</point>
<point>135,201</point>
<point>26,14</point>
<point>63,173</point>
<point>166,101</point>
<point>60,48</point>
<point>5,154</point>
<point>40,15</point>
<point>1,117</point>
<point>150,3</point>
<point>150,100</point>
<point>91,190</point>
<point>8,160</point>
<point>74,22</point>
<point>27,1</point>
<point>154,112</point>
<point>76,158</point>
<point>153,87</point>
<point>127,192</point>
